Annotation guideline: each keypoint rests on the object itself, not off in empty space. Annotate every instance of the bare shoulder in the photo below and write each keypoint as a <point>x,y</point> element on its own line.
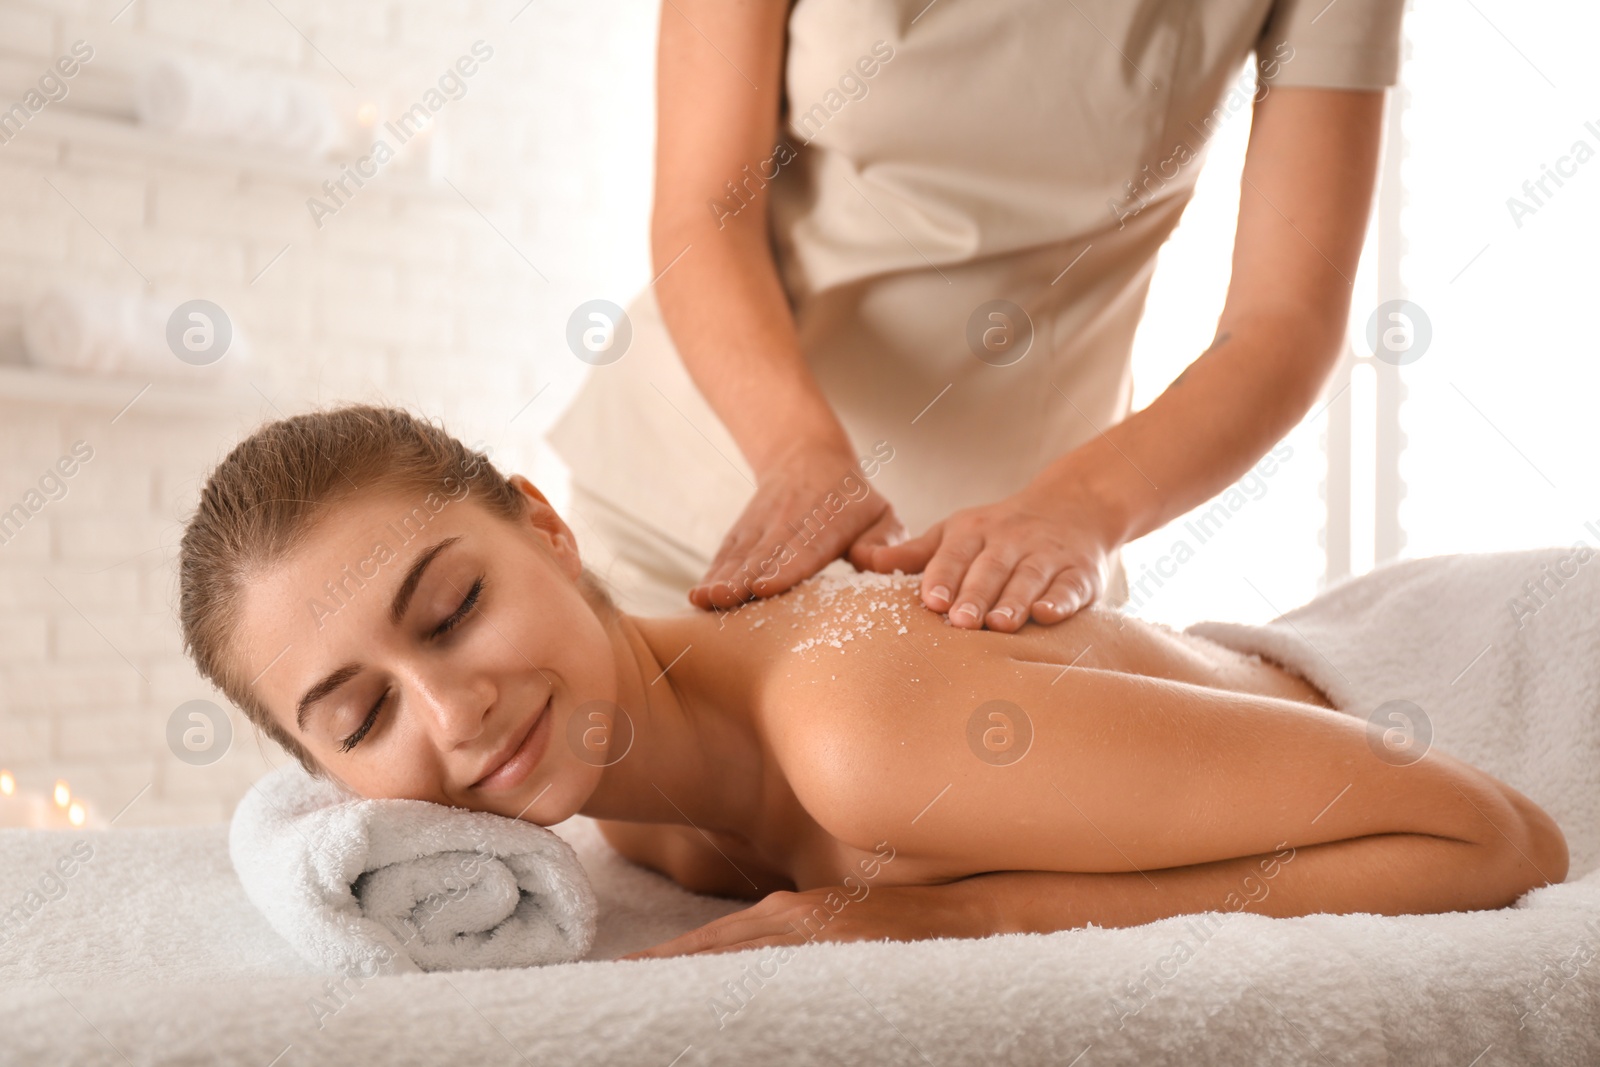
<point>842,644</point>
<point>856,689</point>
<point>838,638</point>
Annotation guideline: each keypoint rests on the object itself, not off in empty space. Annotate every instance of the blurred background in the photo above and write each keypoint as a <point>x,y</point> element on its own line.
<point>405,202</point>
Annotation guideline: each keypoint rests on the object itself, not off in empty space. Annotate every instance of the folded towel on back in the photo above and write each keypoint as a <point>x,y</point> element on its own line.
<point>374,887</point>
<point>1492,657</point>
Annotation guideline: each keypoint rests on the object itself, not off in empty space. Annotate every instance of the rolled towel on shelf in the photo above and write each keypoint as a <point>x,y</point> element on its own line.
<point>91,330</point>
<point>397,886</point>
<point>206,100</point>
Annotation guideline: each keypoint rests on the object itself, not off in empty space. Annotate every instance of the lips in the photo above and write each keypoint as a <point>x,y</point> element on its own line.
<point>512,764</point>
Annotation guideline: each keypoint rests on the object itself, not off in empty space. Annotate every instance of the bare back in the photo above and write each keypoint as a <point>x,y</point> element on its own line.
<point>866,641</point>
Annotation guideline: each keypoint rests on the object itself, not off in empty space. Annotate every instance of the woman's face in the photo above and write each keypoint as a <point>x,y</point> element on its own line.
<point>450,628</point>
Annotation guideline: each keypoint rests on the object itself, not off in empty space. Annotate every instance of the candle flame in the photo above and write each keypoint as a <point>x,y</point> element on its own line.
<point>75,814</point>
<point>8,784</point>
<point>63,794</point>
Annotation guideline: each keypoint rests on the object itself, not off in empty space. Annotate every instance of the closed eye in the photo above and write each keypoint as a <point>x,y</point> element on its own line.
<point>372,716</point>
<point>467,604</point>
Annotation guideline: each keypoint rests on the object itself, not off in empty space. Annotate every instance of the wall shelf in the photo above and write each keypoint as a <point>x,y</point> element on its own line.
<point>33,387</point>
<point>68,126</point>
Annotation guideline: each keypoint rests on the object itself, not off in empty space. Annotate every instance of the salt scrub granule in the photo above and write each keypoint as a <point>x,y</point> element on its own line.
<point>820,595</point>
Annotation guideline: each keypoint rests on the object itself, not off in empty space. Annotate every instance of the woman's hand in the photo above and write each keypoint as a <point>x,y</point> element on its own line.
<point>809,507</point>
<point>838,913</point>
<point>1044,552</point>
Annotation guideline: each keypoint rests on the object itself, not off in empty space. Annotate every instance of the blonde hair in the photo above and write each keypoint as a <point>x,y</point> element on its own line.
<point>263,500</point>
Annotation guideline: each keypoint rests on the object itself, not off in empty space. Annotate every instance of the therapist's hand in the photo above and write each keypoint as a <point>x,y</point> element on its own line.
<point>1044,553</point>
<point>767,552</point>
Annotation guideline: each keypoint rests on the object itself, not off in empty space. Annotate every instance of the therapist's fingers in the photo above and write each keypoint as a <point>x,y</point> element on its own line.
<point>730,558</point>
<point>980,589</point>
<point>751,569</point>
<point>887,532</point>
<point>1071,591</point>
<point>909,556</point>
<point>1013,607</point>
<point>734,546</point>
<point>944,579</point>
<point>793,527</point>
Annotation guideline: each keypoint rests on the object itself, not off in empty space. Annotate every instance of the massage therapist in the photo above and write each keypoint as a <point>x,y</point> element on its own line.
<point>900,250</point>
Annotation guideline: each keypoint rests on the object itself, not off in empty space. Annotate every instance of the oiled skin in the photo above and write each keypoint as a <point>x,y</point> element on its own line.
<point>1150,749</point>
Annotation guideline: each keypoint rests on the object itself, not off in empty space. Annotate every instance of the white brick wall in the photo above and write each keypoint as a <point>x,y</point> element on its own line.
<point>406,295</point>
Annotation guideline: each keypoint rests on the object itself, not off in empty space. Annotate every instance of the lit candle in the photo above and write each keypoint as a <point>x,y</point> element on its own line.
<point>19,808</point>
<point>25,809</point>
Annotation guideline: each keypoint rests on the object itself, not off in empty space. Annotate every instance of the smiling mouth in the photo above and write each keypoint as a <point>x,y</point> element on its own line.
<point>514,762</point>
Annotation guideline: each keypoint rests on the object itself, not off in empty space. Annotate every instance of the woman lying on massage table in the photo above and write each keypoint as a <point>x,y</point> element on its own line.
<point>398,615</point>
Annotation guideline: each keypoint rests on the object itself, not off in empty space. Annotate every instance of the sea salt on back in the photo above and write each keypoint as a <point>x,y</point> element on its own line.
<point>846,607</point>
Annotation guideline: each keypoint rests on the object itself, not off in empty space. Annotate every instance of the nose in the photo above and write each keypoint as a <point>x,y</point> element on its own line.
<point>452,703</point>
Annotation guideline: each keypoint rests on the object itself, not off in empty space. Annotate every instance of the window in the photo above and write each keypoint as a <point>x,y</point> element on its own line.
<point>1487,448</point>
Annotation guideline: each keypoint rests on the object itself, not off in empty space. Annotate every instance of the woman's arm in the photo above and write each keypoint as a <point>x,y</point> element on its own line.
<point>1392,874</point>
<point>720,68</point>
<point>1389,874</point>
<point>1127,774</point>
<point>1183,799</point>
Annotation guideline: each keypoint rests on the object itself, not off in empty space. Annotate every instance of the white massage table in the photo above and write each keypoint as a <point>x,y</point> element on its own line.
<point>153,955</point>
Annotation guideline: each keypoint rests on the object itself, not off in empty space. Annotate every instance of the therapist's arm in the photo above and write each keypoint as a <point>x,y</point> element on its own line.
<point>720,67</point>
<point>1305,197</point>
<point>1306,194</point>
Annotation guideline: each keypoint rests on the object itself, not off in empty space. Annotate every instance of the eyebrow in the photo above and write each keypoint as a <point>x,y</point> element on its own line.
<point>322,689</point>
<point>408,584</point>
<point>397,611</point>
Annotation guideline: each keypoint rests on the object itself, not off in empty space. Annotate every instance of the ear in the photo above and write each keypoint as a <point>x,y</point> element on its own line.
<point>528,489</point>
<point>543,517</point>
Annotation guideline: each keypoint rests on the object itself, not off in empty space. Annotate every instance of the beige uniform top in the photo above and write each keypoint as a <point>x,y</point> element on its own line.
<point>941,156</point>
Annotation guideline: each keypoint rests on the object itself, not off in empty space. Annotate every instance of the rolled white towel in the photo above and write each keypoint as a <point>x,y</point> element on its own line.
<point>90,330</point>
<point>201,98</point>
<point>370,887</point>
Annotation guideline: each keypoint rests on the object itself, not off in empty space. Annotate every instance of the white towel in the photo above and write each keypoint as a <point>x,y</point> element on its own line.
<point>88,329</point>
<point>367,887</point>
<point>203,99</point>
<point>1500,652</point>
